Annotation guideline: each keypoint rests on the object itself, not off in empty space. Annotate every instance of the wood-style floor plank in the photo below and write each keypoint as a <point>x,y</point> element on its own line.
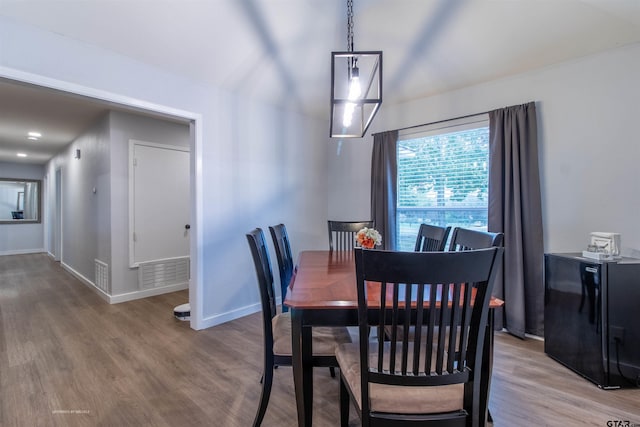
<point>69,359</point>
<point>529,388</point>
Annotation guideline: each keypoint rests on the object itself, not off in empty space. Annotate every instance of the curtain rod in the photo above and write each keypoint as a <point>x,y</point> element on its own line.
<point>437,122</point>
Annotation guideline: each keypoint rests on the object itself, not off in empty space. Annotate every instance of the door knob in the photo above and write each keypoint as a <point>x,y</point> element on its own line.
<point>186,227</point>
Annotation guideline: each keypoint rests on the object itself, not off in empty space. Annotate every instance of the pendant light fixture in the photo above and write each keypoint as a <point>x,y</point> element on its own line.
<point>356,87</point>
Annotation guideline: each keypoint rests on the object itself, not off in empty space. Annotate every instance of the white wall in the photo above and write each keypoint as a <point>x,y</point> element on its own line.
<point>22,238</point>
<point>268,166</point>
<point>349,178</point>
<point>588,142</point>
<point>260,164</point>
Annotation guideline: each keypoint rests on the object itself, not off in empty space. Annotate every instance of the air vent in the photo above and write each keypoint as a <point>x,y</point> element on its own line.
<point>102,276</point>
<point>157,274</point>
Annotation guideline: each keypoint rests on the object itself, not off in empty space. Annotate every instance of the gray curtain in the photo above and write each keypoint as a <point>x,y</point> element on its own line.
<point>515,209</point>
<point>384,167</point>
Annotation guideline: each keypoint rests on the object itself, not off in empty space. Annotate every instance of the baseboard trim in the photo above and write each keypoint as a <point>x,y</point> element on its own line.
<point>23,252</point>
<point>531,336</point>
<point>534,337</point>
<point>228,316</point>
<point>130,296</point>
<point>86,282</point>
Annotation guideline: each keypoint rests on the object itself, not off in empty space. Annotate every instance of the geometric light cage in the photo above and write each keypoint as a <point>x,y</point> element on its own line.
<point>365,106</point>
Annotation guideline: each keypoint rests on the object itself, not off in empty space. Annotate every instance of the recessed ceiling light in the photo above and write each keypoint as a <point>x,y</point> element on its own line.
<point>21,155</point>
<point>33,135</point>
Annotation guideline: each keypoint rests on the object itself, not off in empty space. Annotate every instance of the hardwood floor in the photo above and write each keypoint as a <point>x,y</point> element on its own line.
<point>67,358</point>
<point>530,389</point>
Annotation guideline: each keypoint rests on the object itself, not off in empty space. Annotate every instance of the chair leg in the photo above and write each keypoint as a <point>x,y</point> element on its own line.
<point>264,396</point>
<point>283,293</point>
<point>332,371</point>
<point>344,404</point>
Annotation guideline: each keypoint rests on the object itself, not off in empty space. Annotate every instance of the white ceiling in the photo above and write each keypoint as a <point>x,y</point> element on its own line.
<point>279,50</point>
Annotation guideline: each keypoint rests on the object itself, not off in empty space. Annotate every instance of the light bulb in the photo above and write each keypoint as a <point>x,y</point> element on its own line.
<point>349,108</point>
<point>354,93</point>
<point>354,87</point>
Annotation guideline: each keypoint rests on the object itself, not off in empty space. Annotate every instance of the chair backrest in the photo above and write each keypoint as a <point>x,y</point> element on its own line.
<point>448,313</point>
<point>464,239</point>
<point>342,234</point>
<point>431,238</point>
<point>260,255</point>
<point>285,259</point>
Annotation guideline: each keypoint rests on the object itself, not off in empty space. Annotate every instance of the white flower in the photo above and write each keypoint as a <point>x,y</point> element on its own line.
<point>368,238</point>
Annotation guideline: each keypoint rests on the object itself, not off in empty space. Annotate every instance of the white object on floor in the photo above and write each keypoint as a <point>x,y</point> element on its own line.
<point>182,312</point>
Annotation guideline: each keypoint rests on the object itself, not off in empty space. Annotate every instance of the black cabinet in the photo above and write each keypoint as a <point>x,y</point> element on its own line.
<point>592,317</point>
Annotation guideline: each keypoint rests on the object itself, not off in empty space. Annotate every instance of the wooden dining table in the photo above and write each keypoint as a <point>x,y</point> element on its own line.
<point>323,292</point>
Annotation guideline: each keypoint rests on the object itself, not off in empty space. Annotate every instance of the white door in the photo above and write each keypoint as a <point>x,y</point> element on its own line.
<point>159,202</point>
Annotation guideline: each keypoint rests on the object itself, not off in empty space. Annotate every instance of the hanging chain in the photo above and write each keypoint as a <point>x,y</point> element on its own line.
<point>350,25</point>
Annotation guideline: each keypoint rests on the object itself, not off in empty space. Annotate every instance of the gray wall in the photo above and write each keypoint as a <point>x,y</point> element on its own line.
<point>589,150</point>
<point>95,188</point>
<point>22,238</point>
<point>85,200</point>
<point>124,127</point>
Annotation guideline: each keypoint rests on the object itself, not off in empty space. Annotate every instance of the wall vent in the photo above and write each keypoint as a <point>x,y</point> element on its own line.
<point>157,274</point>
<point>102,276</point>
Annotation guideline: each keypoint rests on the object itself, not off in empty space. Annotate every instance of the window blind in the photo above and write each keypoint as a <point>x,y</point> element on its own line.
<point>442,179</point>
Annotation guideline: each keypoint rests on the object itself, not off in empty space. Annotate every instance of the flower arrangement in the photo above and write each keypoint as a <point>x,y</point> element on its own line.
<point>368,238</point>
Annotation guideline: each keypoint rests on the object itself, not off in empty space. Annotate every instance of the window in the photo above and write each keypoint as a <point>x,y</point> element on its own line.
<point>442,178</point>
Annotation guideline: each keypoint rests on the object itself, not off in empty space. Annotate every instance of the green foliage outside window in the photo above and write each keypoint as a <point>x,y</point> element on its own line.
<point>442,180</point>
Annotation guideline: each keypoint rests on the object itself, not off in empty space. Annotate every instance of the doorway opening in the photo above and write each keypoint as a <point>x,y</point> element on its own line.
<point>133,105</point>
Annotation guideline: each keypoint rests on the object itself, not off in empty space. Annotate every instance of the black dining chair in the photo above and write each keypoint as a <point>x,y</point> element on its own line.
<point>435,378</point>
<point>285,259</point>
<point>431,238</point>
<point>277,327</point>
<point>463,239</point>
<point>342,234</point>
